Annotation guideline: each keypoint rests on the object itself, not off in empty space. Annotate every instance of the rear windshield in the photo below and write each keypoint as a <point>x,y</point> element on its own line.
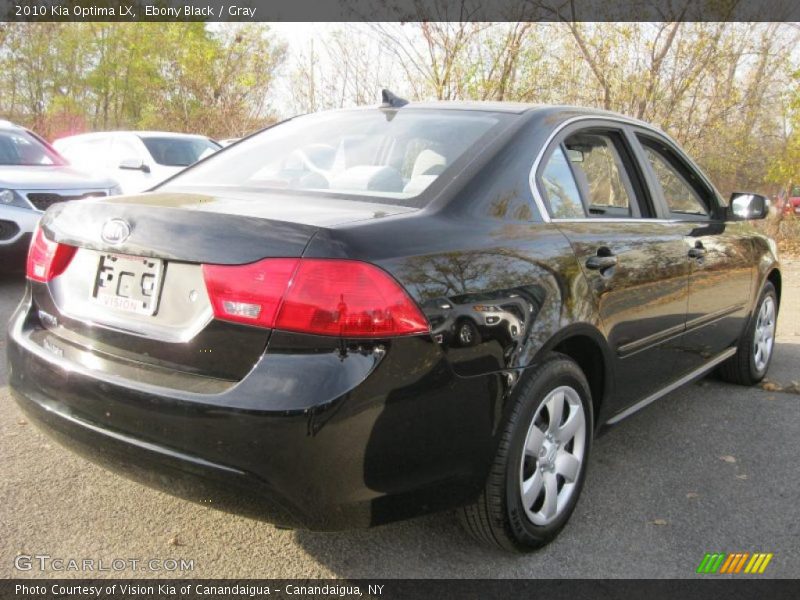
<point>179,152</point>
<point>393,155</point>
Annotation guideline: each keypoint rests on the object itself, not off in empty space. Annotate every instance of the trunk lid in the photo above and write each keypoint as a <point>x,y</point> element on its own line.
<point>135,291</point>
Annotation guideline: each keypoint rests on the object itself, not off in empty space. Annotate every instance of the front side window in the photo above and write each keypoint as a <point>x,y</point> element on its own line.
<point>680,196</point>
<point>20,149</point>
<point>380,154</point>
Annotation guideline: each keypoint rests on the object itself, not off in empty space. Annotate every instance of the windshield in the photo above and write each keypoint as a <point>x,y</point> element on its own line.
<point>21,149</point>
<point>376,153</point>
<point>179,151</point>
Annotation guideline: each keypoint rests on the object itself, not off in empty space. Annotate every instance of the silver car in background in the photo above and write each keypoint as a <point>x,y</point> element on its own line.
<point>33,176</point>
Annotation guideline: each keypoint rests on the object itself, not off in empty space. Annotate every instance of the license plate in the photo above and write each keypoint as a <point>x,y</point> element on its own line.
<point>128,283</point>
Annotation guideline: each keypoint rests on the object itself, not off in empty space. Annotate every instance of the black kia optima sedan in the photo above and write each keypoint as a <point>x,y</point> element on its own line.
<point>365,315</point>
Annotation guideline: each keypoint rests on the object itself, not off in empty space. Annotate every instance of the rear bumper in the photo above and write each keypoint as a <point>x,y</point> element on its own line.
<point>311,438</point>
<point>182,475</point>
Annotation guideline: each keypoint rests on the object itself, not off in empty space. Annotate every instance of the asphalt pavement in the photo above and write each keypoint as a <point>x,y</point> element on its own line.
<point>711,467</point>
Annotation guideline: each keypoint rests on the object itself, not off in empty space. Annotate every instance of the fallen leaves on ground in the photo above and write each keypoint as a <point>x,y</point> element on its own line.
<point>728,458</point>
<point>794,388</point>
<point>770,386</point>
<point>692,495</point>
<point>659,522</point>
<point>741,476</point>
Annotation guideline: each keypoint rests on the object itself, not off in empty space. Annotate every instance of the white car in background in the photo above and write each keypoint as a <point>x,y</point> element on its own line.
<point>137,160</point>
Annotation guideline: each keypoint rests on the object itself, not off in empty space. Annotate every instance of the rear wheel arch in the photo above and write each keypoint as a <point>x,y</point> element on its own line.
<point>586,346</point>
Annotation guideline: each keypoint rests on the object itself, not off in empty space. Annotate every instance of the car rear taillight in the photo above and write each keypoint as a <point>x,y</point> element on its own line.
<point>249,293</point>
<point>344,298</point>
<point>47,259</point>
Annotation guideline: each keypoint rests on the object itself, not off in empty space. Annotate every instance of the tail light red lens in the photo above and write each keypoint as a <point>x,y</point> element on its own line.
<point>249,293</point>
<point>349,299</point>
<point>47,259</point>
<point>324,297</point>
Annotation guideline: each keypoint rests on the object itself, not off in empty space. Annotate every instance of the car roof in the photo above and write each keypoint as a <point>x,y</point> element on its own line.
<point>567,111</point>
<point>550,114</point>
<point>483,106</point>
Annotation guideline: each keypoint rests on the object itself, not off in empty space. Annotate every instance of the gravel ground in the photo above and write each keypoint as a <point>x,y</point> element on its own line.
<point>711,467</point>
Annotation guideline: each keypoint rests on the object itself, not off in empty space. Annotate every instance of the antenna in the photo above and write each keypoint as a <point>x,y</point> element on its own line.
<point>389,100</point>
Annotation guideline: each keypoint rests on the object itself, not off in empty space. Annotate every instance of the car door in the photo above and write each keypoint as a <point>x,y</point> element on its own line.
<point>634,263</point>
<point>720,252</point>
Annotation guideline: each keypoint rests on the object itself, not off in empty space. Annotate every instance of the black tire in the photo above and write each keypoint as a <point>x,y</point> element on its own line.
<point>741,367</point>
<point>498,517</point>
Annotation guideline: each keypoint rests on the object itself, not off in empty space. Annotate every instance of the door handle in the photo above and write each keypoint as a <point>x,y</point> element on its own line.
<point>600,263</point>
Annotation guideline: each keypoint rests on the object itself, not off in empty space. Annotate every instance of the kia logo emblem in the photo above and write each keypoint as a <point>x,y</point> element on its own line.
<point>115,231</point>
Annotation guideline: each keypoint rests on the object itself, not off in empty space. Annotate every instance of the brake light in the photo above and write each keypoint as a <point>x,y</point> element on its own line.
<point>249,293</point>
<point>343,298</point>
<point>47,259</point>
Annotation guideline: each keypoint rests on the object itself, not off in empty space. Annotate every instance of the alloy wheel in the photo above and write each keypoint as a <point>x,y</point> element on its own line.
<point>764,334</point>
<point>554,451</point>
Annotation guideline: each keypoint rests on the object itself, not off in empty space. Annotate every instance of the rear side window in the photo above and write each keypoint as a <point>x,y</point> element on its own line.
<point>560,188</point>
<point>681,196</point>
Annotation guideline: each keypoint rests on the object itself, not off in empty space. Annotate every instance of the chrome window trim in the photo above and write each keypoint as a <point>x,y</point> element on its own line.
<point>539,201</point>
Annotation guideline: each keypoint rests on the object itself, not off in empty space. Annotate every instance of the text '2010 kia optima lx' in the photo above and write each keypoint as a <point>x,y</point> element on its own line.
<point>365,315</point>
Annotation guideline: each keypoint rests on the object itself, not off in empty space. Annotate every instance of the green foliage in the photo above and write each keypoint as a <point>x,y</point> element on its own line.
<point>62,78</point>
<point>786,168</point>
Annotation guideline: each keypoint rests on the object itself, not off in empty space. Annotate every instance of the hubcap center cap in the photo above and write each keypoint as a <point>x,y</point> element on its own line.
<point>547,455</point>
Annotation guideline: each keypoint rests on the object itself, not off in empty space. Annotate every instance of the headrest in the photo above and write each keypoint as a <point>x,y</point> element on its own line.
<point>428,163</point>
<point>379,179</point>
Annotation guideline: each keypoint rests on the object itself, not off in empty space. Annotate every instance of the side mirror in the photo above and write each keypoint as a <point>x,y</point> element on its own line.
<point>134,164</point>
<point>745,206</point>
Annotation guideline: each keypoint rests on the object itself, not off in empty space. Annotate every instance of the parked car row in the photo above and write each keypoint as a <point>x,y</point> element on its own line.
<point>35,174</point>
